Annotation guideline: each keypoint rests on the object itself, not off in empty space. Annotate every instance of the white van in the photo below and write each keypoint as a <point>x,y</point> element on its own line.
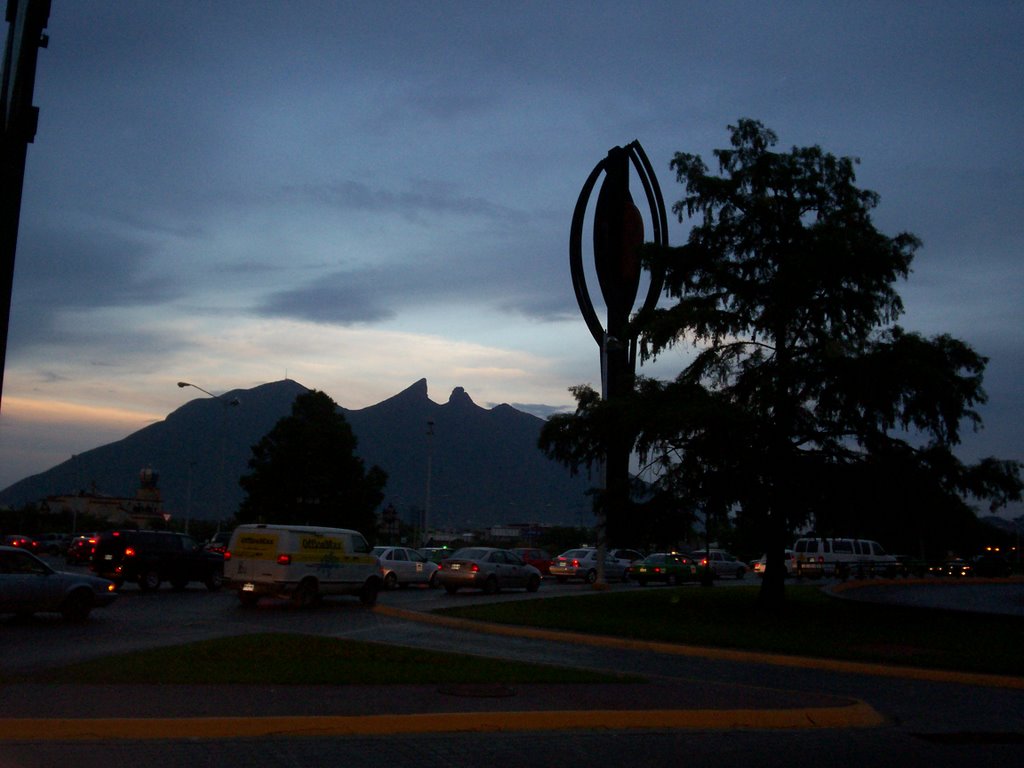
<point>300,562</point>
<point>842,557</point>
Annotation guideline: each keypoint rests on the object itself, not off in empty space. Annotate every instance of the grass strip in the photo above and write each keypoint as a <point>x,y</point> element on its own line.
<point>294,659</point>
<point>810,623</point>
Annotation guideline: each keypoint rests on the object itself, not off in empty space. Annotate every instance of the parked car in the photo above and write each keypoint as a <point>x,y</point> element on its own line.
<point>152,557</point>
<point>218,542</point>
<point>436,554</point>
<point>53,543</point>
<point>582,564</point>
<point>28,543</point>
<point>720,563</point>
<point>953,566</point>
<point>790,560</point>
<point>80,549</point>
<point>28,585</point>
<point>488,569</point>
<point>991,564</point>
<point>538,558</point>
<point>669,567</point>
<point>401,566</point>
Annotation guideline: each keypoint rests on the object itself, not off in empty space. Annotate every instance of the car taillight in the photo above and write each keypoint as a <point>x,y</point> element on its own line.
<point>227,555</point>
<point>284,559</point>
<point>474,568</point>
<point>575,563</point>
<point>129,552</point>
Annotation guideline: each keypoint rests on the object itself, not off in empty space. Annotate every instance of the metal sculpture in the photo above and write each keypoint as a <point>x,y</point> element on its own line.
<point>618,237</point>
<point>18,120</point>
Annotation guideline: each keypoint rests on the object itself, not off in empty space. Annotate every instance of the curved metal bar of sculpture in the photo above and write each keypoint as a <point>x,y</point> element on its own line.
<point>618,235</point>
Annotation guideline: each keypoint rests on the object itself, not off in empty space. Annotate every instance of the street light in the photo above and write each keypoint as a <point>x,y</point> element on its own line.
<point>426,499</point>
<point>223,448</point>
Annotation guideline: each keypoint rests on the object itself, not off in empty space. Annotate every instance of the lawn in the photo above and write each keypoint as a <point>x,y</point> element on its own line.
<point>810,623</point>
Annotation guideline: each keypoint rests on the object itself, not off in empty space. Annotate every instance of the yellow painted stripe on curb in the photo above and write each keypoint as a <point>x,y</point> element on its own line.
<point>853,715</point>
<point>718,654</point>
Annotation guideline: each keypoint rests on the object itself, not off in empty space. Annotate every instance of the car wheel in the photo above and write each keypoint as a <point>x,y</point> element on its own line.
<point>533,583</point>
<point>390,581</point>
<point>451,589</point>
<point>214,581</point>
<point>491,585</point>
<point>591,577</point>
<point>76,606</point>
<point>368,594</point>
<point>248,599</point>
<point>305,594</point>
<point>149,581</point>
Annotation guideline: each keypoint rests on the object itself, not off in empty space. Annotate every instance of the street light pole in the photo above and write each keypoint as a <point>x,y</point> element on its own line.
<point>223,447</point>
<point>426,499</point>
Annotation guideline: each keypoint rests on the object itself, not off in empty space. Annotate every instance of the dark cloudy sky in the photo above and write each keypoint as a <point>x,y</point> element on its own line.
<point>358,195</point>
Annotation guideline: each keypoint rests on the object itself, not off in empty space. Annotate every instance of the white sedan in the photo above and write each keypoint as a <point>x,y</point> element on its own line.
<point>28,585</point>
<point>402,566</point>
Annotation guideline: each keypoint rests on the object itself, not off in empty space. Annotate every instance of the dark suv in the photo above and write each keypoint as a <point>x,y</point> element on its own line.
<point>152,557</point>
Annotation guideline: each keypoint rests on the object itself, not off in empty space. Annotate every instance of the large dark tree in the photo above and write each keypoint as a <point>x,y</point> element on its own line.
<point>305,472</point>
<point>802,390</point>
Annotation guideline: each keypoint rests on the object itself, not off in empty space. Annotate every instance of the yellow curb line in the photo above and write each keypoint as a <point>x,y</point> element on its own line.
<point>718,654</point>
<point>857,714</point>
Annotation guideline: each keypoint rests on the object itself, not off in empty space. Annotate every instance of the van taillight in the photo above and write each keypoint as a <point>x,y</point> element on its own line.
<point>284,559</point>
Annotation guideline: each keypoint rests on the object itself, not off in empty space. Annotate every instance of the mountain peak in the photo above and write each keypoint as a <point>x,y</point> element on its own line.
<point>459,397</point>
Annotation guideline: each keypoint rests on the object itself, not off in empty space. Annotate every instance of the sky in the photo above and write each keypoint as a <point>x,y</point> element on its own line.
<point>359,195</point>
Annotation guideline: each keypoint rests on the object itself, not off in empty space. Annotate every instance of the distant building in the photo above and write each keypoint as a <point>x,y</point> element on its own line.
<point>144,510</point>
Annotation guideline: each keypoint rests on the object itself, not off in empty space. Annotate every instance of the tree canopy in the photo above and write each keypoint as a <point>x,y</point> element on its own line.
<point>305,471</point>
<point>802,393</point>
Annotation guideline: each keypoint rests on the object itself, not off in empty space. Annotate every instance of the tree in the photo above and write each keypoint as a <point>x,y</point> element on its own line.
<point>801,383</point>
<point>305,472</point>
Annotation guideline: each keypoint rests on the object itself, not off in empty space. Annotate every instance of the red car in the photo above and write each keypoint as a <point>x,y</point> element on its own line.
<point>80,550</point>
<point>538,558</point>
<point>22,542</point>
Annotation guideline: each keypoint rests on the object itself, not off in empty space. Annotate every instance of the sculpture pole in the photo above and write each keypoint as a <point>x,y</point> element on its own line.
<point>617,238</point>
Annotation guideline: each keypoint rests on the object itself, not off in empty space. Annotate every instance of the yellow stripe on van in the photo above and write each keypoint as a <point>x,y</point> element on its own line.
<point>255,546</point>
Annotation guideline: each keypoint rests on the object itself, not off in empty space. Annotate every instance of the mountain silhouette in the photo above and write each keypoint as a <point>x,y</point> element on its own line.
<point>485,467</point>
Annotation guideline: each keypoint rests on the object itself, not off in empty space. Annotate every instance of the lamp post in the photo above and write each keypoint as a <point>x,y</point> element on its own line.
<point>223,448</point>
<point>426,496</point>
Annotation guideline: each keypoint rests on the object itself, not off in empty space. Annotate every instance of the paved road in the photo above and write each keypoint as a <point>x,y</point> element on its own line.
<point>926,722</point>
